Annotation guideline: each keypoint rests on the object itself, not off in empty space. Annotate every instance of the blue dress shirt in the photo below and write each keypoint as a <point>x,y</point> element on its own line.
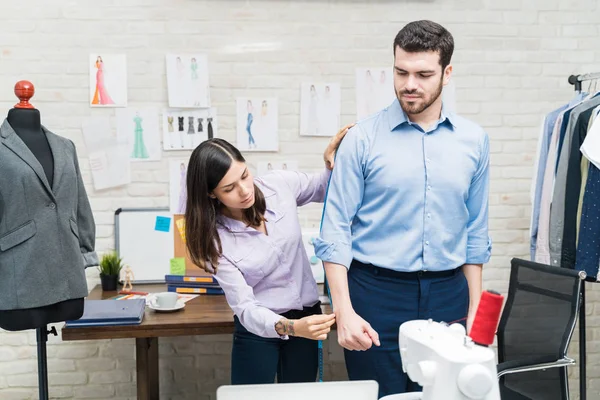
<point>549,122</point>
<point>407,199</point>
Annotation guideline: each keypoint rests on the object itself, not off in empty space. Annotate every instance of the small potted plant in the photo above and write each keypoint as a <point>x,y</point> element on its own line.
<point>110,270</point>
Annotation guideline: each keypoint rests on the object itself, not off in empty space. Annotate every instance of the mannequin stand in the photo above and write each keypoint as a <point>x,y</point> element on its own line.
<point>42,338</point>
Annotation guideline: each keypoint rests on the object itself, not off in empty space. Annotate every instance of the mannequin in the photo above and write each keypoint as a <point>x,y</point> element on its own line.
<point>27,125</point>
<point>47,229</point>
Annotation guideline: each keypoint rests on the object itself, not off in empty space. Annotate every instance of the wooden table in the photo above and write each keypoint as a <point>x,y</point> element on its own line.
<point>204,315</point>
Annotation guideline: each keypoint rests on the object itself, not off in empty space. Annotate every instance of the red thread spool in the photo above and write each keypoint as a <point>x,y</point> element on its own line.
<point>487,317</point>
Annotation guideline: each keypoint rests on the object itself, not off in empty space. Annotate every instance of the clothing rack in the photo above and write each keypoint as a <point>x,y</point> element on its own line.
<point>576,81</point>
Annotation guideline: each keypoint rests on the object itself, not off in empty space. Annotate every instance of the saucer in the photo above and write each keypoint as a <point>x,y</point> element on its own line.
<point>180,304</point>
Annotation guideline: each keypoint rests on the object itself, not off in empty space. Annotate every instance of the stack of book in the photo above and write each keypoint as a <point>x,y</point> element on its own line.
<point>192,284</point>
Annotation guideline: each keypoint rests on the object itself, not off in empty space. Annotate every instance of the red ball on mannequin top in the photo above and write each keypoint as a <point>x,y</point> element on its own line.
<point>24,90</point>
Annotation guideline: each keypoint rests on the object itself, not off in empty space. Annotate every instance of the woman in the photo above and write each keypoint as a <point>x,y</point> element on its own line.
<point>246,231</point>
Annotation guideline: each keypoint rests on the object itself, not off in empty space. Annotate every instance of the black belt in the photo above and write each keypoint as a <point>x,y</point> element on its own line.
<point>403,275</point>
<point>305,312</point>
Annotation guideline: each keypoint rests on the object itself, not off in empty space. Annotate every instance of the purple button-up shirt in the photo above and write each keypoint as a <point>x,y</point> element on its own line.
<point>264,275</point>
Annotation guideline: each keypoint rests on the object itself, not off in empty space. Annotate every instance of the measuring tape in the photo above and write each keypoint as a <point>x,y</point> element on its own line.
<point>326,286</point>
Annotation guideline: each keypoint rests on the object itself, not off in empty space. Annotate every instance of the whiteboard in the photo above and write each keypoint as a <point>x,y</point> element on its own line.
<point>145,249</point>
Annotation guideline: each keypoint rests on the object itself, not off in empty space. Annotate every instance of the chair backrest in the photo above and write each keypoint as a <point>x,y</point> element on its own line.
<point>347,390</point>
<point>538,321</point>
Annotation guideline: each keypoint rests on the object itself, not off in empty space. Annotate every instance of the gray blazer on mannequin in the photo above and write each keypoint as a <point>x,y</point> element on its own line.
<point>47,235</point>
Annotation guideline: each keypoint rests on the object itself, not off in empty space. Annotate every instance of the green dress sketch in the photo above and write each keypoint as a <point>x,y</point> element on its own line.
<point>194,67</point>
<point>139,148</point>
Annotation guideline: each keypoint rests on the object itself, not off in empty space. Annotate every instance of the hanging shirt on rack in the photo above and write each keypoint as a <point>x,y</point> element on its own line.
<point>540,163</point>
<point>585,163</point>
<point>588,249</point>
<point>565,194</point>
<point>542,252</point>
<point>566,248</point>
<point>588,241</point>
<point>591,146</point>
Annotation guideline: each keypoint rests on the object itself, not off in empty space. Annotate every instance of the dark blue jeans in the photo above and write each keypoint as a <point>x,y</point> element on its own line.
<point>256,360</point>
<point>386,301</point>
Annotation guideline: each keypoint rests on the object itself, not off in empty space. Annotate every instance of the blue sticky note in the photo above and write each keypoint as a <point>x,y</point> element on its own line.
<point>163,224</point>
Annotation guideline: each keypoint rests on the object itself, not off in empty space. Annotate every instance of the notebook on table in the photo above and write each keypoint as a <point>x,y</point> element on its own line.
<point>110,313</point>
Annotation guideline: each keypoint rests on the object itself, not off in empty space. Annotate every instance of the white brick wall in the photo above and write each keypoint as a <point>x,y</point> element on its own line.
<point>511,65</point>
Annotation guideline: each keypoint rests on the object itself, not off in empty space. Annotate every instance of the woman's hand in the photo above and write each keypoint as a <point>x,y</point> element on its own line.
<point>329,154</point>
<point>315,327</point>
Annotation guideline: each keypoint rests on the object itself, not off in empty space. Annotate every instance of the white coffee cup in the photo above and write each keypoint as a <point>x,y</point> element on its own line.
<point>165,300</point>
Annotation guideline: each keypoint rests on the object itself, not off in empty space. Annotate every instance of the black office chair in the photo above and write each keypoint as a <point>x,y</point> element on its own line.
<point>535,330</point>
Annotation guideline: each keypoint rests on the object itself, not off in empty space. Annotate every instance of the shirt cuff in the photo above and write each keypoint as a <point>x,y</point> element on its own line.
<point>90,259</point>
<point>479,254</point>
<point>337,253</point>
<point>270,328</point>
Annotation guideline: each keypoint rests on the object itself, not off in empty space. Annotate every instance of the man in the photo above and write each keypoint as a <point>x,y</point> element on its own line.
<point>405,226</point>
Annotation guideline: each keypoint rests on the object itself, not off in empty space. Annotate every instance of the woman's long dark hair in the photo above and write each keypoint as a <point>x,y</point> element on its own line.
<point>208,164</point>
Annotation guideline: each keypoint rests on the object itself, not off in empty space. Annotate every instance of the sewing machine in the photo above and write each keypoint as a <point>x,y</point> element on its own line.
<point>446,363</point>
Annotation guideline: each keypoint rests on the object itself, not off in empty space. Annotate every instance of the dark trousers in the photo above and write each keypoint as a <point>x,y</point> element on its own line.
<point>256,360</point>
<point>386,300</point>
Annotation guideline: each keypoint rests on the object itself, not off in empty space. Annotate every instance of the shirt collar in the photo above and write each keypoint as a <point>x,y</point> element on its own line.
<point>233,225</point>
<point>397,116</point>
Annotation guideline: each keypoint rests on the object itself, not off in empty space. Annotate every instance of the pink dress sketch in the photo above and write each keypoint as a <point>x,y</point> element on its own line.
<point>101,95</point>
<point>182,189</point>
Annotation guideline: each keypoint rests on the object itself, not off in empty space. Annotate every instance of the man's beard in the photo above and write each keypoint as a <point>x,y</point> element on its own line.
<point>417,107</point>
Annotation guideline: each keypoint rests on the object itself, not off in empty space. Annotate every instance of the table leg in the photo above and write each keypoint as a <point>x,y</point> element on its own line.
<point>146,350</point>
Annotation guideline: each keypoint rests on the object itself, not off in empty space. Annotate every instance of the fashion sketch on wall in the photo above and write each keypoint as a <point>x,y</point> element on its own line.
<point>185,129</point>
<point>108,80</point>
<point>374,90</point>
<point>264,167</point>
<point>320,105</point>
<point>177,186</point>
<point>187,81</point>
<point>139,129</point>
<point>257,124</point>
<point>108,160</point>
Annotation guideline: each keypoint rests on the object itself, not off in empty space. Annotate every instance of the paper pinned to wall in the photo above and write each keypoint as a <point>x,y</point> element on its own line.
<point>108,80</point>
<point>264,167</point>
<point>138,129</point>
<point>177,186</point>
<point>180,222</point>
<point>110,167</point>
<point>320,108</point>
<point>109,160</point>
<point>187,80</point>
<point>257,124</point>
<point>163,224</point>
<point>185,129</point>
<point>374,90</point>
<point>177,266</point>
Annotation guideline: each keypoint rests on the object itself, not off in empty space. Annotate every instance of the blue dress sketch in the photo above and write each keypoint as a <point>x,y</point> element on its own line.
<point>249,130</point>
<point>139,148</point>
